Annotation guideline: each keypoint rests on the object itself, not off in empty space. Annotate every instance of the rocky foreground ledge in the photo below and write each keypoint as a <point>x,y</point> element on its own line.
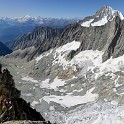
<point>26,122</point>
<point>12,107</point>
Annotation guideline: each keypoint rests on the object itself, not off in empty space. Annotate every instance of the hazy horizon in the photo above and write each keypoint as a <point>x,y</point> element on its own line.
<point>55,8</point>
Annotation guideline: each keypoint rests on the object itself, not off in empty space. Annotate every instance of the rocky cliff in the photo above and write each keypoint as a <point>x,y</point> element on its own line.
<point>18,109</point>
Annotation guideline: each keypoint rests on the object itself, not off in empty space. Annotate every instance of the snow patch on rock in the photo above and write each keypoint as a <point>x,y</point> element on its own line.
<point>70,100</point>
<point>34,103</point>
<point>87,23</point>
<point>29,79</point>
<point>101,22</point>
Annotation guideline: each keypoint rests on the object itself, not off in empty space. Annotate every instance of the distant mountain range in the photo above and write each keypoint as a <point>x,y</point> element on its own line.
<point>28,20</point>
<point>10,28</point>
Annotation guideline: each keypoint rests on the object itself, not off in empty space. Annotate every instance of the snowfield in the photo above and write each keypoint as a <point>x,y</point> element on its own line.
<point>101,22</point>
<point>70,100</point>
<point>29,79</point>
<point>87,23</point>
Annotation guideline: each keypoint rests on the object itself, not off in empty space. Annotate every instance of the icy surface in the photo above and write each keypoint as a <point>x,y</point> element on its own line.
<point>34,103</point>
<point>69,100</point>
<point>45,84</point>
<point>101,22</point>
<point>88,58</point>
<point>59,55</point>
<point>74,45</point>
<point>56,83</point>
<point>121,15</point>
<point>106,114</point>
<point>39,58</point>
<point>53,85</point>
<point>90,114</point>
<point>87,23</point>
<point>29,79</point>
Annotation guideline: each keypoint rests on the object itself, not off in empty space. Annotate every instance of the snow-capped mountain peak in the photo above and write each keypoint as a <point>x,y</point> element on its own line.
<point>108,12</point>
<point>27,16</point>
<point>102,16</point>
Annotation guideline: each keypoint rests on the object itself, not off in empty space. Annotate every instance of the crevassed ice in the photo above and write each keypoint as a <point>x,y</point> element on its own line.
<point>59,55</point>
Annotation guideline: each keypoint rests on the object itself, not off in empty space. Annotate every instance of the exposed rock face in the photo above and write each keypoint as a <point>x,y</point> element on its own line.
<point>4,49</point>
<point>39,37</point>
<point>19,110</point>
<point>103,38</point>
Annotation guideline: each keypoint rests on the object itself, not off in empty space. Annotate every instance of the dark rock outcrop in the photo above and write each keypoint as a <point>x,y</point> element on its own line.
<point>39,37</point>
<point>20,109</point>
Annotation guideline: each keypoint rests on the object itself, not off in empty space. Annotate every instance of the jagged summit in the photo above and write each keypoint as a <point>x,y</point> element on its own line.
<point>102,16</point>
<point>109,13</point>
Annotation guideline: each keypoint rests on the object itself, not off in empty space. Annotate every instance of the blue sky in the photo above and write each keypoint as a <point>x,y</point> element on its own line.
<point>55,8</point>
